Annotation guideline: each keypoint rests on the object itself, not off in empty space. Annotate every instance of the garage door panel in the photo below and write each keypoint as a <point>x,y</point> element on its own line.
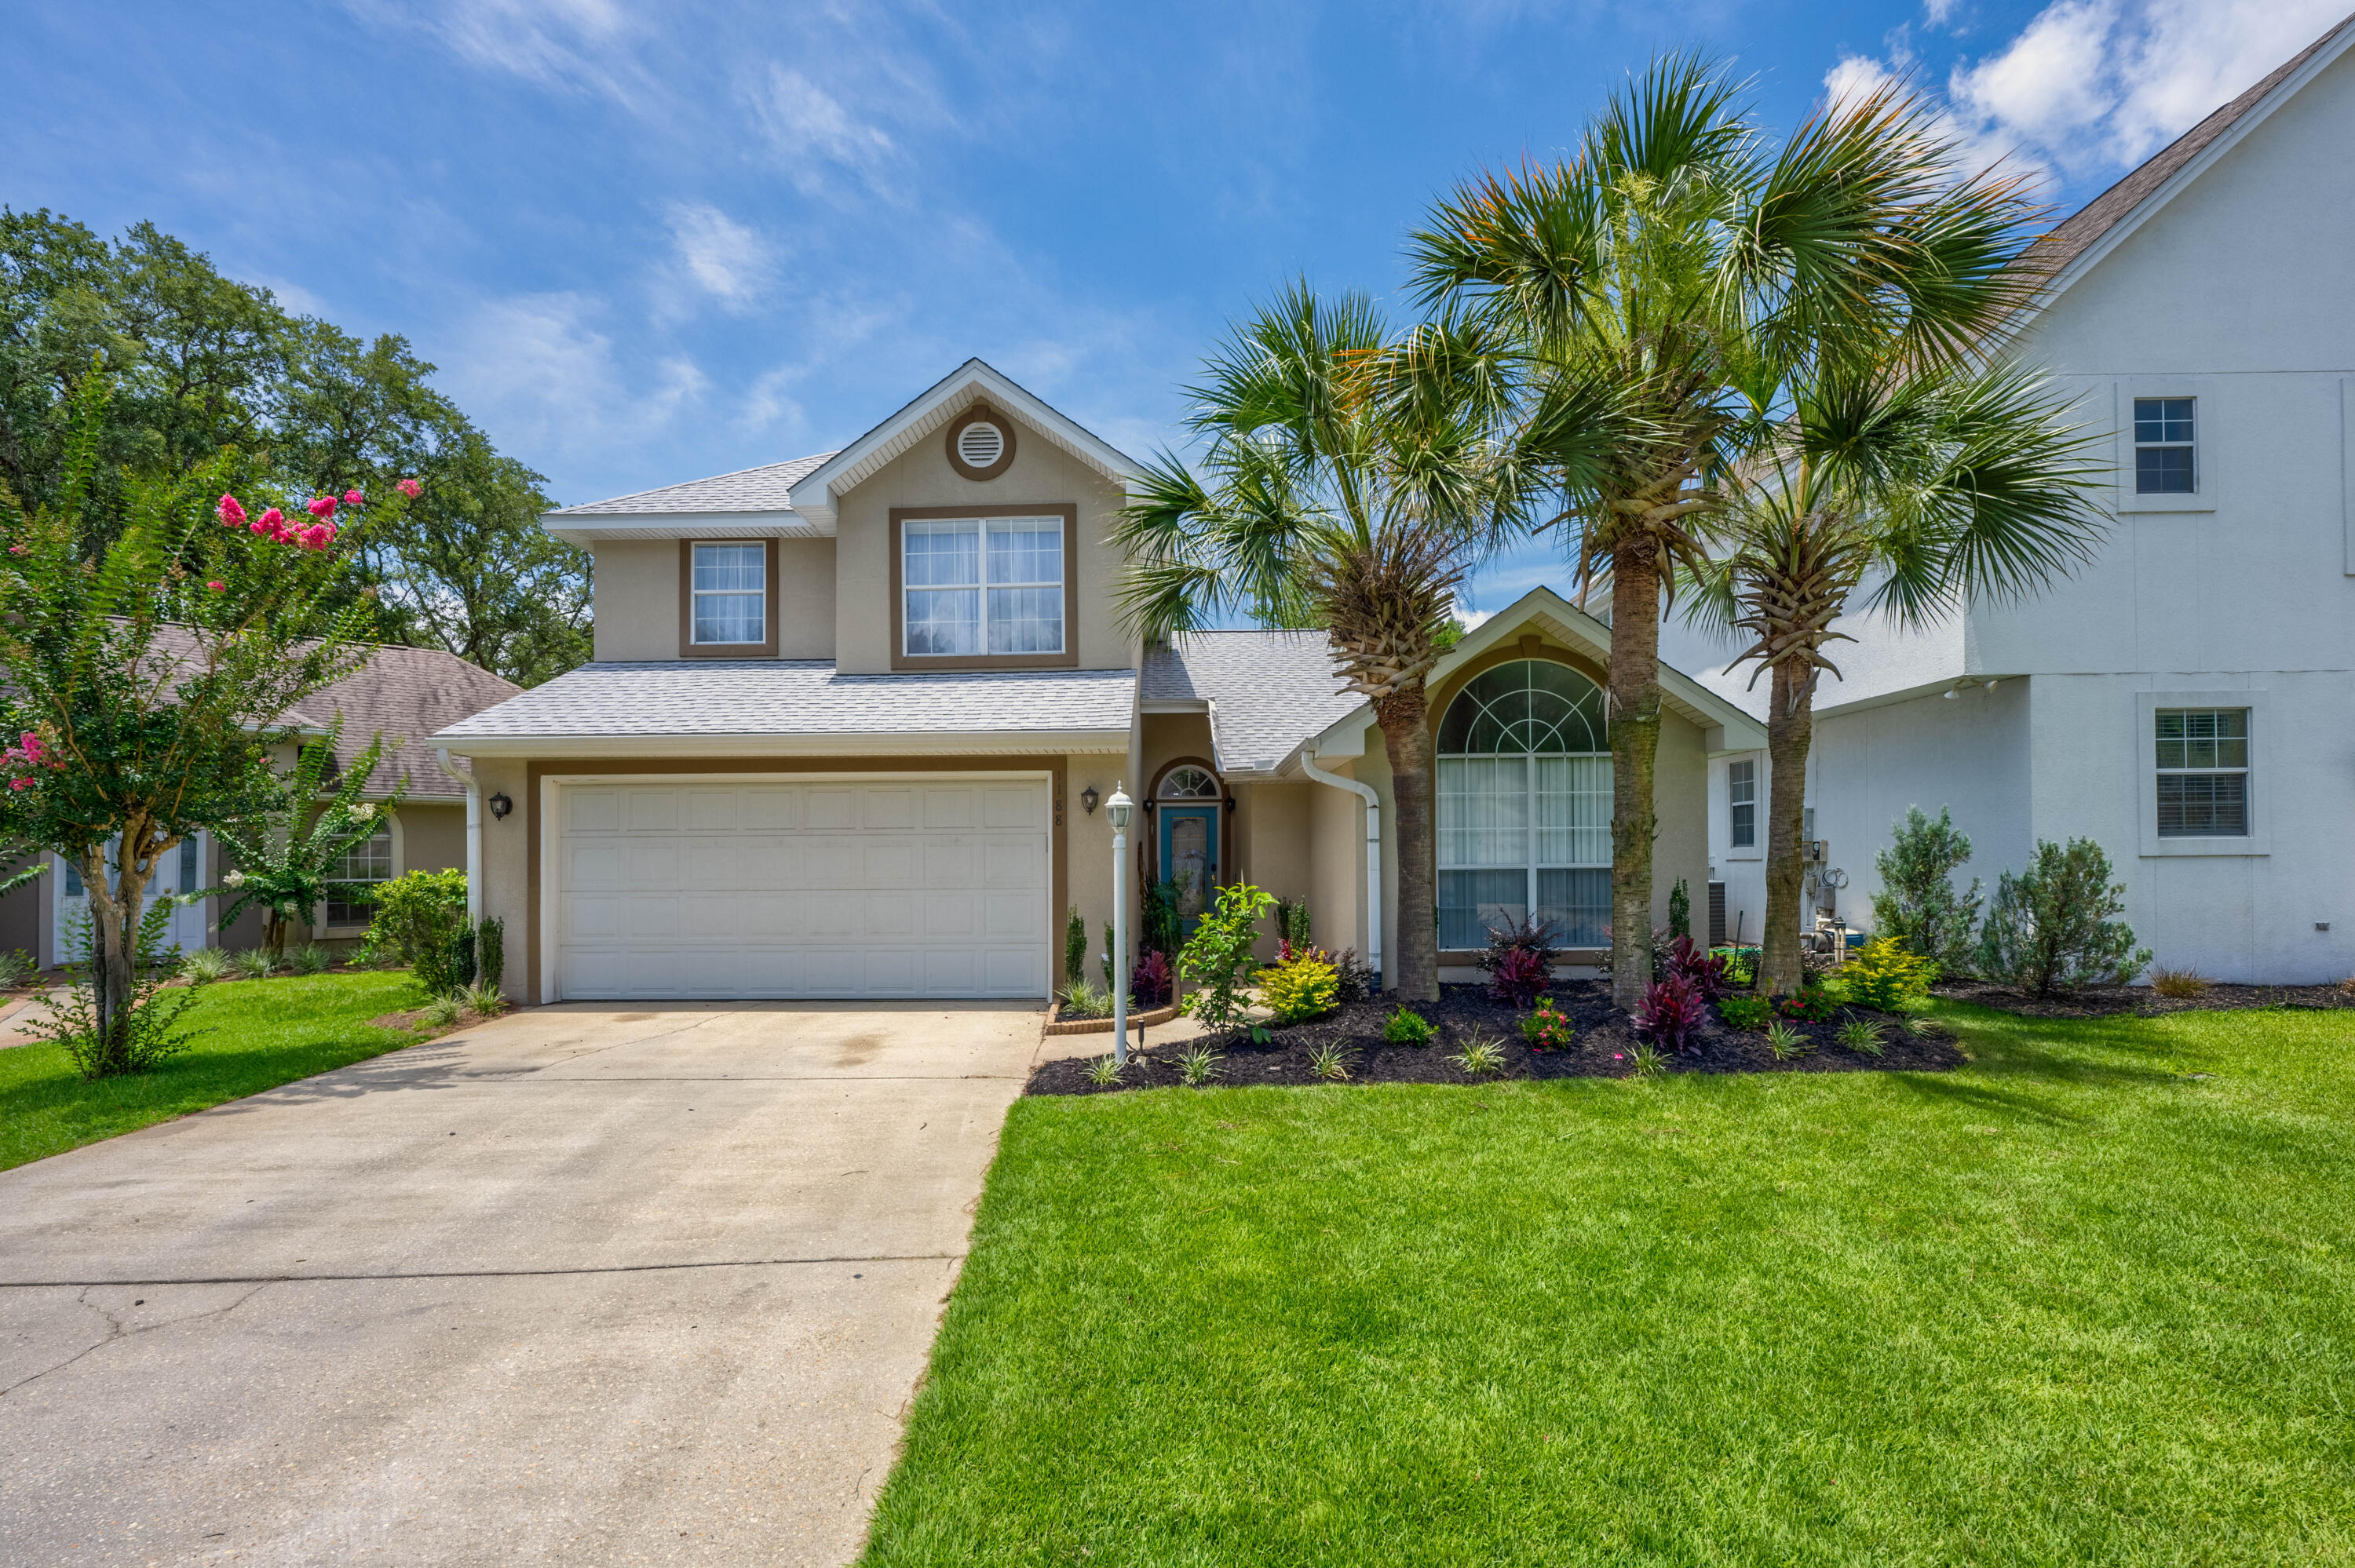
<point>884,888</point>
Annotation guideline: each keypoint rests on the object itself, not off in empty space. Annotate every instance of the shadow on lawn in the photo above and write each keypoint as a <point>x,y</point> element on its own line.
<point>2013,1056</point>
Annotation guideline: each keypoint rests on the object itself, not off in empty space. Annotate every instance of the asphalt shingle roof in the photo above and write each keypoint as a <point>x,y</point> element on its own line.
<point>796,697</point>
<point>1268,691</point>
<point>765,489</point>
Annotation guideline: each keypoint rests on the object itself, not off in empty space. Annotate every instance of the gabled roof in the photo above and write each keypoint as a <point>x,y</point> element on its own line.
<point>1265,692</point>
<point>786,706</point>
<point>2063,254</point>
<point>817,496</point>
<point>1733,730</point>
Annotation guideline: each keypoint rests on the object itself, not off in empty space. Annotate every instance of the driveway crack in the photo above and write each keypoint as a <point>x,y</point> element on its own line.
<point>116,1330</point>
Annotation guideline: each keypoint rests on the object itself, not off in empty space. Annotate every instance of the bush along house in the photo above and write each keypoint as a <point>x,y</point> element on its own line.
<point>852,719</point>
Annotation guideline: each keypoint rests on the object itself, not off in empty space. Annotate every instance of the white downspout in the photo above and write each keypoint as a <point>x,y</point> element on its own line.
<point>473,834</point>
<point>1373,855</point>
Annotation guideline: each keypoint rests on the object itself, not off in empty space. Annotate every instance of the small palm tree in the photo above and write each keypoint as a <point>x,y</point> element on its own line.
<point>1352,478</point>
<point>1677,258</point>
<point>1935,480</point>
<point>286,859</point>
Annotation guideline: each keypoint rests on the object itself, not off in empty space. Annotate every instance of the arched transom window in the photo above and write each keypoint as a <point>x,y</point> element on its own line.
<point>1189,783</point>
<point>1525,806</point>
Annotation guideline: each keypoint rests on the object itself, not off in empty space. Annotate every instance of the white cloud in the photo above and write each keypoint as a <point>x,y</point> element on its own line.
<point>535,371</point>
<point>1938,13</point>
<point>577,44</point>
<point>2093,87</point>
<point>814,135</point>
<point>720,257</point>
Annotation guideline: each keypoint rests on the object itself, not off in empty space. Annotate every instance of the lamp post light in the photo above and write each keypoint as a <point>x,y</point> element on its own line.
<point>1116,812</point>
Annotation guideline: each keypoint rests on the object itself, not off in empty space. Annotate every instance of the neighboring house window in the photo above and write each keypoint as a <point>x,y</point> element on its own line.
<point>978,585</point>
<point>2163,446</point>
<point>1525,807</point>
<point>369,860</point>
<point>1741,794</point>
<point>2203,773</point>
<point>732,585</point>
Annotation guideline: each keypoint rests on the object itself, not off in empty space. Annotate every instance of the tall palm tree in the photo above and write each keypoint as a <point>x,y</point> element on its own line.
<point>1677,257</point>
<point>1933,480</point>
<point>1350,480</point>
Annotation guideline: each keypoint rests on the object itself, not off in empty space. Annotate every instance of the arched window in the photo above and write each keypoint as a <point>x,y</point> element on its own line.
<point>1525,806</point>
<point>1189,783</point>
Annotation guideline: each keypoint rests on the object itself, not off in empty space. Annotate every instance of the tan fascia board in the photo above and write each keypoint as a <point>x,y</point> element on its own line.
<point>865,743</point>
<point>1173,706</point>
<point>817,496</point>
<point>592,530</point>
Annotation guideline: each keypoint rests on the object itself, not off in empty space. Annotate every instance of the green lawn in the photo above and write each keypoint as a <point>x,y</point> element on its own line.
<point>257,1034</point>
<point>2074,1303</point>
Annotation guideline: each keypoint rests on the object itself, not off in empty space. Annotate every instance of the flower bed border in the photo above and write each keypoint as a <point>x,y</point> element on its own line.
<point>1057,1024</point>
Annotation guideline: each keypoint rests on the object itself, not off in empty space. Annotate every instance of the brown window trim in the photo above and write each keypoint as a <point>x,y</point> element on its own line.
<point>1069,659</point>
<point>688,648</point>
<point>974,415</point>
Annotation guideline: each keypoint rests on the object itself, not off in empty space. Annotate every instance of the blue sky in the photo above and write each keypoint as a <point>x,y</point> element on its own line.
<point>646,243</point>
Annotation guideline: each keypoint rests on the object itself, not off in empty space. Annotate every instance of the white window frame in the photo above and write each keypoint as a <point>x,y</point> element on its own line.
<point>982,584</point>
<point>2262,777</point>
<point>2189,446</point>
<point>319,926</point>
<point>761,594</point>
<point>1734,848</point>
<point>2209,416</point>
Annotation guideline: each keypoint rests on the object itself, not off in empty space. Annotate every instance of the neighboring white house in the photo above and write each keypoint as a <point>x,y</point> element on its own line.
<point>2188,701</point>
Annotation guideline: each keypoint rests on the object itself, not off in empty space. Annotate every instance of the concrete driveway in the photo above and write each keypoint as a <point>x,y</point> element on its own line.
<point>578,1285</point>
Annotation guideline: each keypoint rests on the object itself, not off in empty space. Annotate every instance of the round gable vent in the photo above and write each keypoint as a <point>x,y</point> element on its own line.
<point>980,445</point>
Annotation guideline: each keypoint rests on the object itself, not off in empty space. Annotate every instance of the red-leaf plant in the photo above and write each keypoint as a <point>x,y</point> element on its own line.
<point>1688,960</point>
<point>1671,1012</point>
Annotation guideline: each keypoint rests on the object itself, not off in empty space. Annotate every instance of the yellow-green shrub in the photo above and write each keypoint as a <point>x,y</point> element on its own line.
<point>1307,987</point>
<point>1887,977</point>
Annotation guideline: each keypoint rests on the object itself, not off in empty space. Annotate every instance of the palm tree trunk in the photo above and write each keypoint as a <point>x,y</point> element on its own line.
<point>1790,732</point>
<point>1634,750</point>
<point>1406,737</point>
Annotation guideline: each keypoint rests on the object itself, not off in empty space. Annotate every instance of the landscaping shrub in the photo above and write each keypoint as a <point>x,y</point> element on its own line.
<point>255,963</point>
<point>205,965</point>
<point>1306,987</point>
<point>1887,977</point>
<point>1520,961</point>
<point>1812,1003</point>
<point>1358,981</point>
<point>16,968</point>
<point>484,998</point>
<point>417,916</point>
<point>1547,1028</point>
<point>1291,928</point>
<point>144,1031</point>
<point>1085,998</point>
<point>2054,926</point>
<point>490,951</point>
<point>1786,1043</point>
<point>1746,1011</point>
<point>1199,1066</point>
<point>1688,960</point>
<point>1164,927</point>
<point>1217,960</point>
<point>1075,948</point>
<point>1917,903</point>
<point>2181,984</point>
<point>1671,1013</point>
<point>310,958</point>
<point>1149,983</point>
<point>1405,1028</point>
<point>1482,1054</point>
<point>1680,910</point>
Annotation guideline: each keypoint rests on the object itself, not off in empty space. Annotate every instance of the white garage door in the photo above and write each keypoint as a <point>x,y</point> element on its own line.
<point>868,887</point>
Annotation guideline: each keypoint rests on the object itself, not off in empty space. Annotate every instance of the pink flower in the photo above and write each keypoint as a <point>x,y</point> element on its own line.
<point>231,513</point>
<point>323,508</point>
<point>20,783</point>
<point>17,549</point>
<point>315,538</point>
<point>261,524</point>
<point>354,498</point>
<point>409,488</point>
<point>217,587</point>
<point>327,535</point>
<point>273,518</point>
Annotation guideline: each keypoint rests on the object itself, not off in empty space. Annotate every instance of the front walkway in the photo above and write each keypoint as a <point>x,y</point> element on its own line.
<point>579,1284</point>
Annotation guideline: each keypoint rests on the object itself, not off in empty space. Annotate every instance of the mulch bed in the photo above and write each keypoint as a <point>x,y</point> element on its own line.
<point>415,1019</point>
<point>2109,1000</point>
<point>1604,1048</point>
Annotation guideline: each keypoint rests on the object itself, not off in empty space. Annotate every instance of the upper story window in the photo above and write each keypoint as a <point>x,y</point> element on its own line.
<point>2164,446</point>
<point>978,585</point>
<point>2203,773</point>
<point>731,594</point>
<point>1742,797</point>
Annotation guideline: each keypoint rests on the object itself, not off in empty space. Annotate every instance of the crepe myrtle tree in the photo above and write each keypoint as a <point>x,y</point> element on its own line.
<point>286,856</point>
<point>1675,255</point>
<point>1351,479</point>
<point>146,681</point>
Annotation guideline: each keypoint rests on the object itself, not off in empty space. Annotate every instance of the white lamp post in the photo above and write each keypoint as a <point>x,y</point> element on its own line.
<point>1116,812</point>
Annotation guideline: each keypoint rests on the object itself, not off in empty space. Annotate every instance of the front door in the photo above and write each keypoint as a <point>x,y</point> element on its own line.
<point>1190,857</point>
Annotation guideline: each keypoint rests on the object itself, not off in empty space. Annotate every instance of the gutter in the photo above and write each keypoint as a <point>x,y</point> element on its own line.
<point>1373,855</point>
<point>473,834</point>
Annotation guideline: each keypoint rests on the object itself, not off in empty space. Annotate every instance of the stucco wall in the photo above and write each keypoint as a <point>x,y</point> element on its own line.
<point>637,599</point>
<point>1336,837</point>
<point>433,836</point>
<point>507,857</point>
<point>1272,825</point>
<point>1041,473</point>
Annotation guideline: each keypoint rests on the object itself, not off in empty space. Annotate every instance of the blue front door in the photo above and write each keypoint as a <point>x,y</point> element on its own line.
<point>1190,857</point>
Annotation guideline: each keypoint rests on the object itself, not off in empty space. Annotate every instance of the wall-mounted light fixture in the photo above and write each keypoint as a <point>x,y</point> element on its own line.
<point>1088,798</point>
<point>501,805</point>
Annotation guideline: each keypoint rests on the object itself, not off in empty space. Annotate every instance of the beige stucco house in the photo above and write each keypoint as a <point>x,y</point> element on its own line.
<point>852,719</point>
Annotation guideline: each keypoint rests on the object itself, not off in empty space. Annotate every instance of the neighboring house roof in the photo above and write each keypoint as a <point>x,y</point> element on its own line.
<point>1266,691</point>
<point>800,705</point>
<point>2082,235</point>
<point>405,694</point>
<point>974,381</point>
